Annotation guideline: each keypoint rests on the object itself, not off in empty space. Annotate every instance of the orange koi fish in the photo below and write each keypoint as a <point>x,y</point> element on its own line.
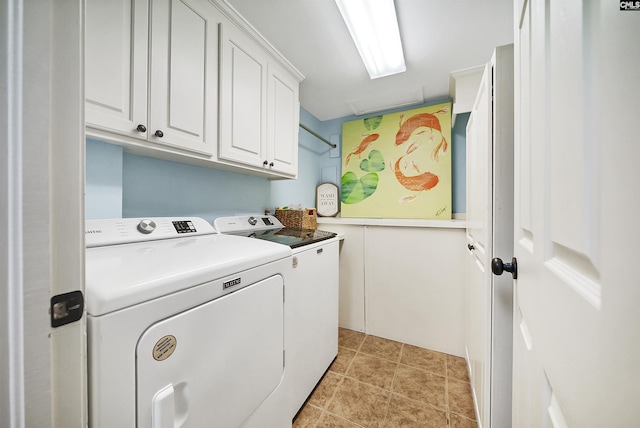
<point>366,142</point>
<point>422,120</point>
<point>424,181</point>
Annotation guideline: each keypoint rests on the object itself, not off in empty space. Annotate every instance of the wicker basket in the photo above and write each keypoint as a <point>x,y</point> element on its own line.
<point>298,219</point>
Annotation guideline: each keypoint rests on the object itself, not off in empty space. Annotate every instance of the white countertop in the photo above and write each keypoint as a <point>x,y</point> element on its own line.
<point>395,222</point>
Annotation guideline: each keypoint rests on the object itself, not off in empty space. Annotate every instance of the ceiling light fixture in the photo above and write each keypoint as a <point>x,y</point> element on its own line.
<point>374,28</point>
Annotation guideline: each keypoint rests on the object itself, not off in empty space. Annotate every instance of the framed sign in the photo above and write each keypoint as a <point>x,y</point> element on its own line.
<point>327,200</point>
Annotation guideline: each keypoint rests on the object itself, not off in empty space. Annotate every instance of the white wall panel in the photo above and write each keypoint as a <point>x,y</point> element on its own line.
<point>414,286</point>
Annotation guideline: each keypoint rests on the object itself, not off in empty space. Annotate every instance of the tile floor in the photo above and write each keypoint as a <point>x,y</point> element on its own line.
<point>375,382</point>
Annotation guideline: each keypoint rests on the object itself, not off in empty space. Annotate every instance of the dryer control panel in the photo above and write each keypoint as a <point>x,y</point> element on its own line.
<point>99,233</point>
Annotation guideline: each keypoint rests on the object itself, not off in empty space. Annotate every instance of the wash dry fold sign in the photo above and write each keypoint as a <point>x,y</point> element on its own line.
<point>398,165</point>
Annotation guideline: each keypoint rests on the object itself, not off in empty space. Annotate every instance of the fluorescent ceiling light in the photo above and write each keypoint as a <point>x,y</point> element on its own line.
<point>374,28</point>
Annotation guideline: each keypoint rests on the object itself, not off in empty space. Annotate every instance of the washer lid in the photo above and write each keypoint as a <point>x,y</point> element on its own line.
<point>269,228</point>
<point>119,276</point>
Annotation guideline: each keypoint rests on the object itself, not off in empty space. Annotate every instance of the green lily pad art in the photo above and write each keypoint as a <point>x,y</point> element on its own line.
<point>356,189</point>
<point>372,123</point>
<point>374,162</point>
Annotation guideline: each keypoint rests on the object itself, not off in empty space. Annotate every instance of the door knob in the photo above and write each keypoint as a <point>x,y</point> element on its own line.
<point>141,128</point>
<point>471,247</point>
<point>159,134</point>
<point>497,267</point>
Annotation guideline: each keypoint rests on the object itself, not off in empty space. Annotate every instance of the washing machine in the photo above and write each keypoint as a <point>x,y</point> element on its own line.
<point>311,305</point>
<point>185,326</point>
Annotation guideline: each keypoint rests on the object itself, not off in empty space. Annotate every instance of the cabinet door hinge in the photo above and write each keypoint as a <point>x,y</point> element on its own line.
<point>66,308</point>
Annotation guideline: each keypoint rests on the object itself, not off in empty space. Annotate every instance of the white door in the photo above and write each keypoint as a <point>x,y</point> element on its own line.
<point>577,298</point>
<point>479,280</point>
<point>488,298</point>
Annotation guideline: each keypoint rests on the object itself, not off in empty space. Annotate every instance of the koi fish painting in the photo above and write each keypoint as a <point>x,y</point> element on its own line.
<point>398,165</point>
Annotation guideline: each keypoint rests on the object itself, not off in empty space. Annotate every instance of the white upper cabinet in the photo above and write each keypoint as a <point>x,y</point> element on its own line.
<point>157,71</point>
<point>283,118</point>
<point>116,58</point>
<point>183,90</point>
<point>259,107</point>
<point>151,71</point>
<point>243,97</point>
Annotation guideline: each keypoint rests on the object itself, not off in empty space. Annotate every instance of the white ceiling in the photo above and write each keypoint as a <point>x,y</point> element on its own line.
<point>438,36</point>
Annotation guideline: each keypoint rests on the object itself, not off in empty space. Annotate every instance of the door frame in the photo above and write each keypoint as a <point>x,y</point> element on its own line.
<point>42,252</point>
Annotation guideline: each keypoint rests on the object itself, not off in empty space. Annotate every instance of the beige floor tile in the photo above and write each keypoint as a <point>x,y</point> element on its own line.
<point>332,421</point>
<point>457,368</point>
<point>382,348</point>
<point>425,359</point>
<point>372,370</point>
<point>427,388</point>
<point>307,417</point>
<point>342,361</point>
<point>325,389</point>
<point>360,403</point>
<point>420,385</point>
<point>406,413</point>
<point>457,421</point>
<point>350,339</point>
<point>460,399</point>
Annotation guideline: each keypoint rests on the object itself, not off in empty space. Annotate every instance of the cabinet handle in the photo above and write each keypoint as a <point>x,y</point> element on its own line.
<point>159,134</point>
<point>141,128</point>
<point>265,163</point>
<point>271,164</point>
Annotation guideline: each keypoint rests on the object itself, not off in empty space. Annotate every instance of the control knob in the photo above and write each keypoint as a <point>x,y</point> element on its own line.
<point>253,221</point>
<point>146,226</point>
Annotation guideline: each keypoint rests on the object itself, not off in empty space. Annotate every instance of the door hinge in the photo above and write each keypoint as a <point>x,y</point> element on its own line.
<point>66,308</point>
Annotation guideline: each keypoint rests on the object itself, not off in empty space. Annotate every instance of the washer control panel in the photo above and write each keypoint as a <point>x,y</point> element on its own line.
<point>146,226</point>
<point>253,223</point>
<point>185,226</point>
<point>127,230</point>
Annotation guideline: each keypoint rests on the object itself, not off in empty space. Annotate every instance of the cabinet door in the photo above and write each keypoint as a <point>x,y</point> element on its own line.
<point>242,99</point>
<point>116,46</point>
<point>183,80</point>
<point>283,112</point>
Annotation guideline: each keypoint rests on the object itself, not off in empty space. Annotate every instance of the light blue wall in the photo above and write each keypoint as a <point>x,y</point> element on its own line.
<point>154,187</point>
<point>459,163</point>
<point>103,197</point>
<point>120,184</point>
